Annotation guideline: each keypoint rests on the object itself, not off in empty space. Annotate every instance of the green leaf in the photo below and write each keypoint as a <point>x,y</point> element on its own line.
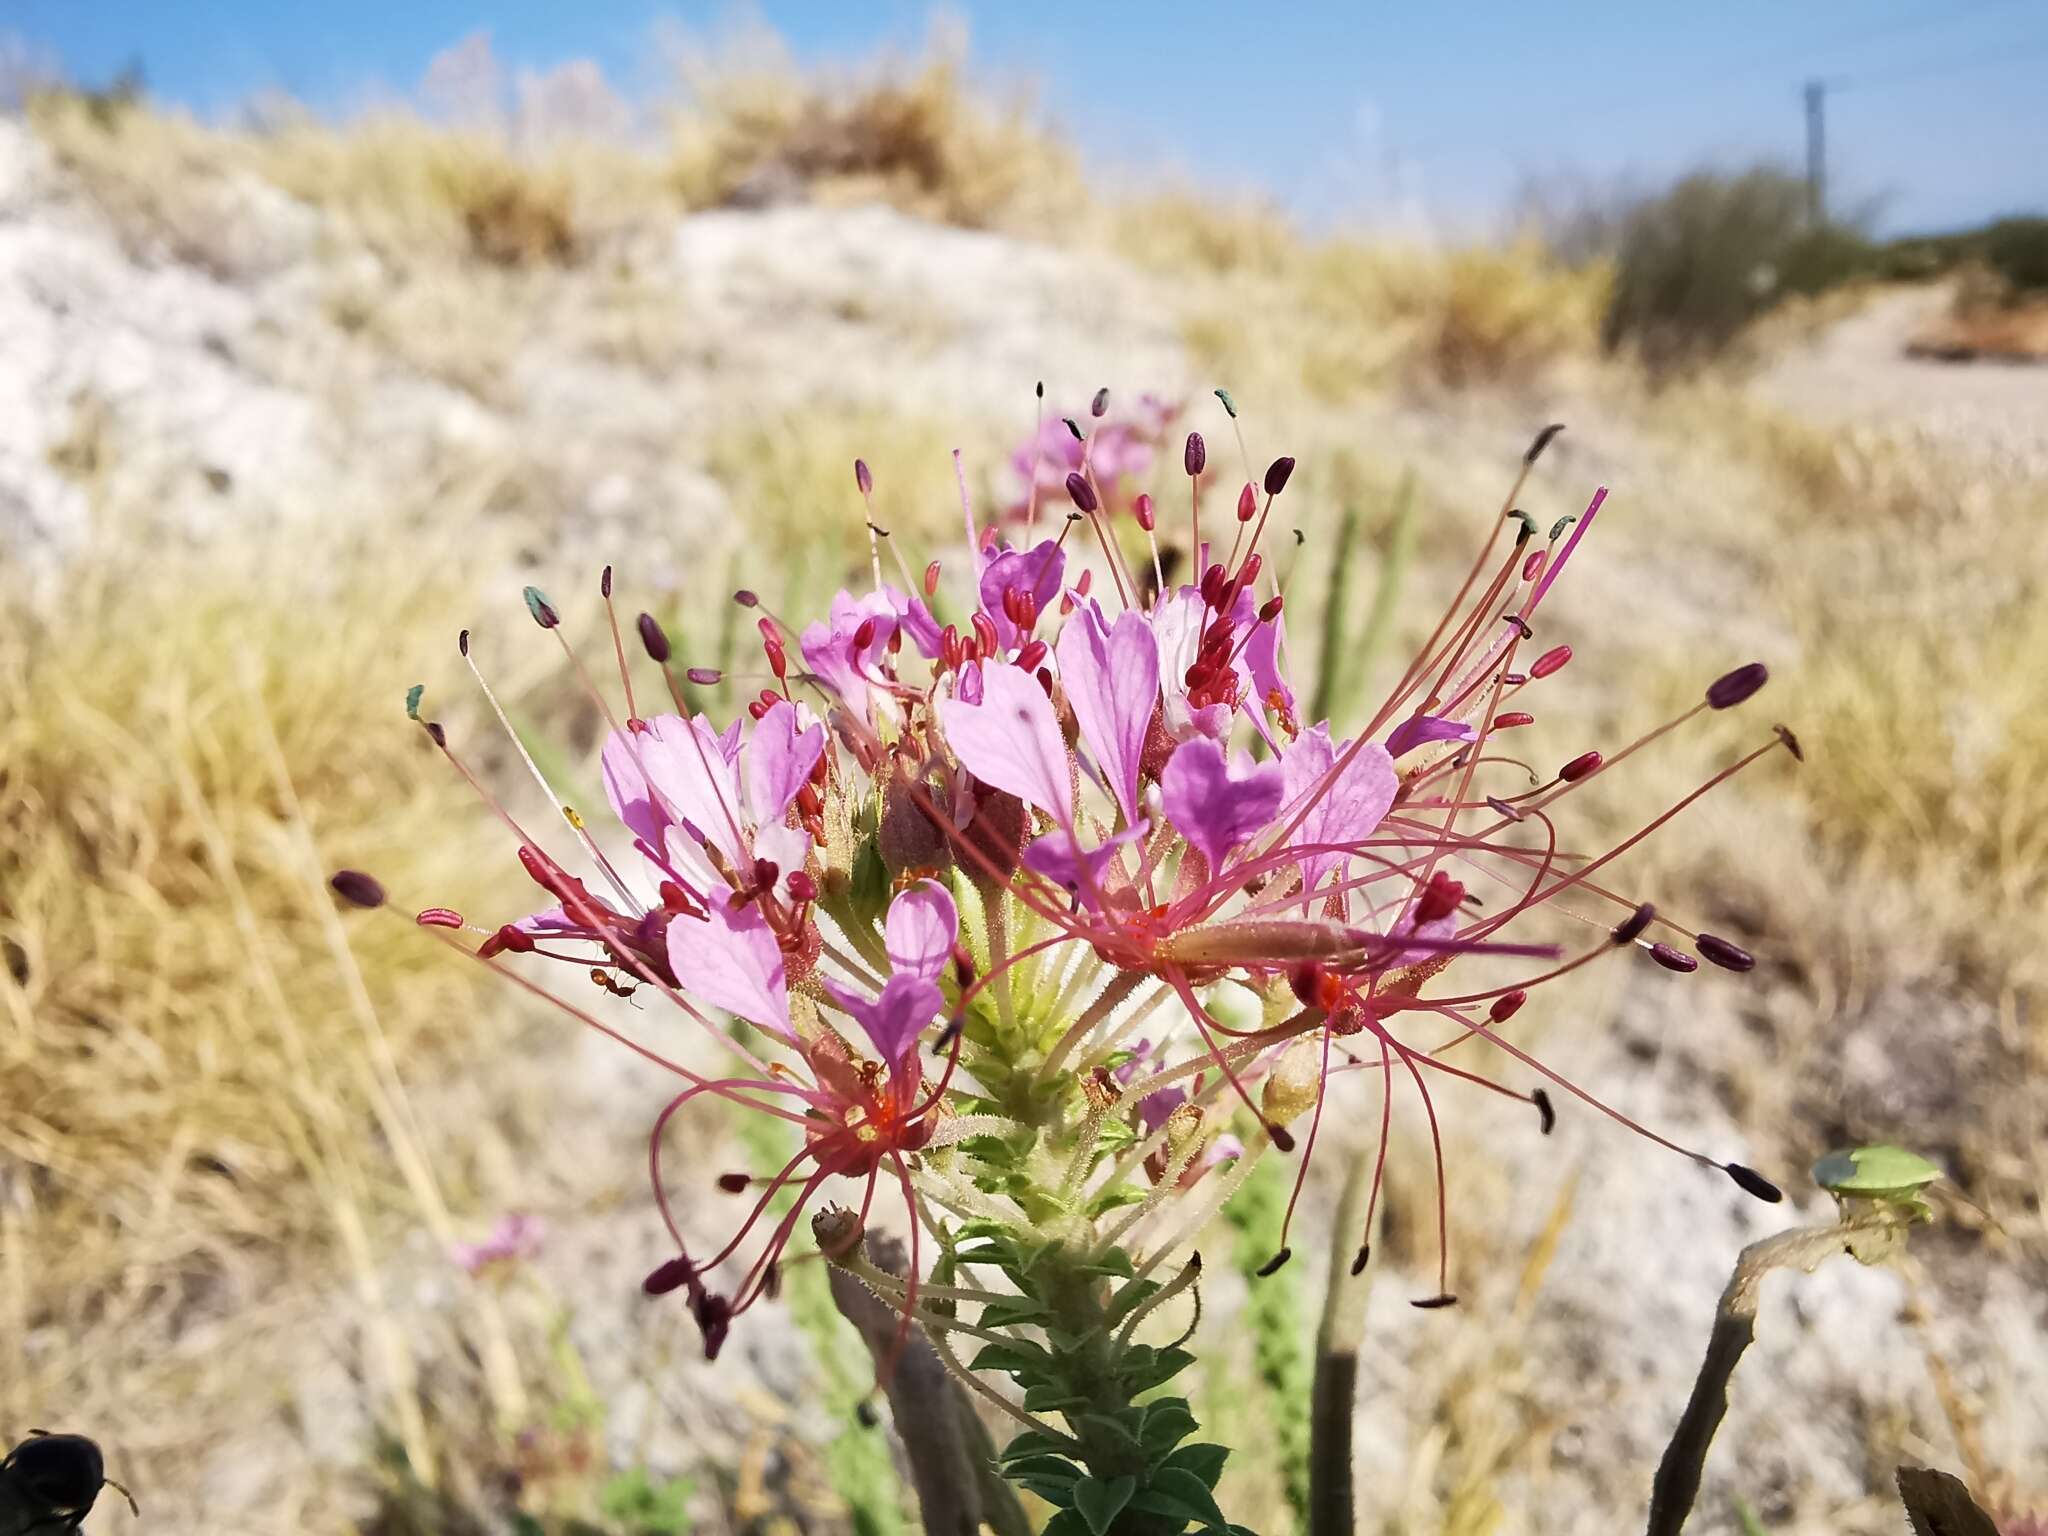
<point>1052,1397</point>
<point>1033,1442</point>
<point>1066,1523</point>
<point>1128,1297</point>
<point>1108,1426</point>
<point>1178,1483</point>
<point>1061,1494</point>
<point>1023,1360</point>
<point>1113,1262</point>
<point>1202,1459</point>
<point>1167,1423</point>
<point>1051,1469</point>
<point>1141,1375</point>
<point>1099,1503</point>
<point>1013,1314</point>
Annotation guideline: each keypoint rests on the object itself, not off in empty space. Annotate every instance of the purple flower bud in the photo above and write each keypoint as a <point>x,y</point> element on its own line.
<point>357,888</point>
<point>1196,455</point>
<point>1731,688</point>
<point>1276,475</point>
<point>1082,492</point>
<point>654,638</point>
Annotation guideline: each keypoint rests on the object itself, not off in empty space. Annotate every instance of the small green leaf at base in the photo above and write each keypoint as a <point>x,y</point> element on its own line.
<point>1099,1503</point>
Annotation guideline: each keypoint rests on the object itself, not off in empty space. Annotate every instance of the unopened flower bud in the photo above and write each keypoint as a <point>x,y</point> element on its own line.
<point>1183,1130</point>
<point>1294,1083</point>
<point>1731,688</point>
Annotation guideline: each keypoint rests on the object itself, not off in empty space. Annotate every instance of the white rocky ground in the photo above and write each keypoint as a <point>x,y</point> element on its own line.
<point>241,400</point>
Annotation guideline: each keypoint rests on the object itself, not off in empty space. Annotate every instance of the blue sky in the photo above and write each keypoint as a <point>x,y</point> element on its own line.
<point>1372,111</point>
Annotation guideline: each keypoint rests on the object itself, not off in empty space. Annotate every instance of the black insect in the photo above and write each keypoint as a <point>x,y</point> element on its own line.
<point>54,1480</point>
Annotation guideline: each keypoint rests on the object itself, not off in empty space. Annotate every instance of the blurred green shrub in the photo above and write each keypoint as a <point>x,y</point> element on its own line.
<point>1697,263</point>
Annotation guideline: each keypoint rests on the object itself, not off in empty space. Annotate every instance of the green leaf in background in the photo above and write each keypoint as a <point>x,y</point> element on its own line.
<point>1345,663</point>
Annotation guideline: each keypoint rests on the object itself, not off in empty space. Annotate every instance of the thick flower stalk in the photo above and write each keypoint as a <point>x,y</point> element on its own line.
<point>1036,952</point>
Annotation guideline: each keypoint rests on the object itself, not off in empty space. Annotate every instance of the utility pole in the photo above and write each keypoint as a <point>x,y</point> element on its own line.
<point>1816,154</point>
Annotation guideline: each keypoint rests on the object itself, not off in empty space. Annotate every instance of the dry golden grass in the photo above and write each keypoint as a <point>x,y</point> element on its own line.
<point>1281,314</point>
<point>204,1074</point>
<point>751,124</point>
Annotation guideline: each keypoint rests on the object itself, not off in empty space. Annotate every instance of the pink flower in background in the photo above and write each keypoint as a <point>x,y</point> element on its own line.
<point>516,1236</point>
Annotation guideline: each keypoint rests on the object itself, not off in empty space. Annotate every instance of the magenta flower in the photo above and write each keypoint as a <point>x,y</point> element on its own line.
<point>1014,836</point>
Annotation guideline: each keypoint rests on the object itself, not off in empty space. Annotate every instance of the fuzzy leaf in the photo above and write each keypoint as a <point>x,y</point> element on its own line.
<point>1202,1459</point>
<point>1032,1442</point>
<point>1099,1503</point>
<point>1167,1423</point>
<point>1141,1375</point>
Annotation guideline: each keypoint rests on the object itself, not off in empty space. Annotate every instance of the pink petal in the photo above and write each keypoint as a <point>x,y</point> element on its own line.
<point>731,960</point>
<point>1059,858</point>
<point>1036,571</point>
<point>693,778</point>
<point>1111,677</point>
<point>1217,801</point>
<point>625,786</point>
<point>779,762</point>
<point>1420,730</point>
<point>919,934</point>
<point>1011,739</point>
<point>1345,804</point>
<point>894,1020</point>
